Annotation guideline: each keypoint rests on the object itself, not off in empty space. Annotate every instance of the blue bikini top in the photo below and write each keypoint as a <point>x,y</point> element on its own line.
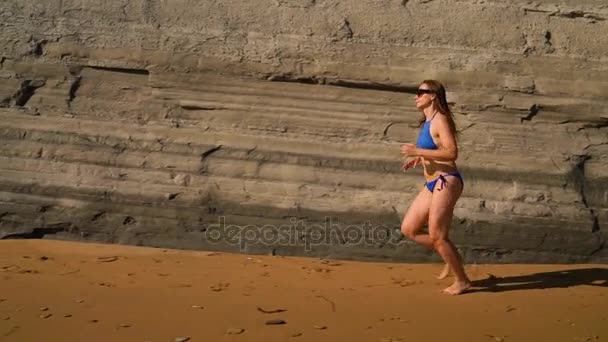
<point>424,137</point>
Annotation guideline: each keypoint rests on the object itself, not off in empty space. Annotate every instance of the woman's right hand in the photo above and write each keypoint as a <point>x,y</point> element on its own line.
<point>410,164</point>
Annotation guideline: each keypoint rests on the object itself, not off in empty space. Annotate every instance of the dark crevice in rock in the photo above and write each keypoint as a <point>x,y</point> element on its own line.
<point>73,89</point>
<point>373,86</point>
<point>548,38</point>
<point>296,79</point>
<point>200,107</point>
<point>210,152</point>
<point>385,132</point>
<point>296,3</point>
<point>343,83</point>
<point>5,214</point>
<point>38,48</point>
<point>98,216</point>
<point>124,11</point>
<point>39,233</point>
<point>44,208</point>
<point>533,112</point>
<point>577,14</point>
<point>26,91</point>
<point>129,220</point>
<point>121,70</point>
<point>463,129</point>
<point>347,32</point>
<point>579,180</point>
<point>600,247</point>
<point>534,10</point>
<point>597,124</point>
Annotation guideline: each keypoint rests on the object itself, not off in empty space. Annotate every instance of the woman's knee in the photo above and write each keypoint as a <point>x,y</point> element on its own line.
<point>408,232</point>
<point>439,239</point>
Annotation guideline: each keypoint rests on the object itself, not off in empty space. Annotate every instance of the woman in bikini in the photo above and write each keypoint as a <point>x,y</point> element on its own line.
<point>436,150</point>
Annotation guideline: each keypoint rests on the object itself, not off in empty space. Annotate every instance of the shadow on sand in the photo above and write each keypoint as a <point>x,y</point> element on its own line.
<point>544,280</point>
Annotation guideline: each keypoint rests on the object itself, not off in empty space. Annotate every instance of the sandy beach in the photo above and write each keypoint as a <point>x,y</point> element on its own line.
<point>65,291</point>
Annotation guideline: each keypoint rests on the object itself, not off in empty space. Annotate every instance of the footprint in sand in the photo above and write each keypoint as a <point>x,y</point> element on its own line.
<point>107,259</point>
<point>322,270</point>
<point>29,271</point>
<point>106,284</point>
<point>219,287</point>
<point>405,282</point>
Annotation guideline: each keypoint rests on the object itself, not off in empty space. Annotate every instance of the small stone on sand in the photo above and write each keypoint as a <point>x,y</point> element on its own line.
<point>235,331</point>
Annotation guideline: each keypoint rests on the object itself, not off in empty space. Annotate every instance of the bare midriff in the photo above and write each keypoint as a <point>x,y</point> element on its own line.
<point>435,168</point>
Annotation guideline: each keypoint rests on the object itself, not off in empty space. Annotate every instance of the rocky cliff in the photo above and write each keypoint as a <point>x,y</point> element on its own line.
<point>273,126</point>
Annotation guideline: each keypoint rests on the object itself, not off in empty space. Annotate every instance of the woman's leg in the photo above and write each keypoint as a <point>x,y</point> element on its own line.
<point>413,221</point>
<point>441,212</point>
<point>416,216</point>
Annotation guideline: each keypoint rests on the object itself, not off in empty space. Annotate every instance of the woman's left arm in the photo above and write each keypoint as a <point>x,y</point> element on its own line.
<point>448,150</point>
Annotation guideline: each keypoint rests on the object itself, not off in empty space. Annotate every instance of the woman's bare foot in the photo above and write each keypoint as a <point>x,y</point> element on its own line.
<point>445,272</point>
<point>457,288</point>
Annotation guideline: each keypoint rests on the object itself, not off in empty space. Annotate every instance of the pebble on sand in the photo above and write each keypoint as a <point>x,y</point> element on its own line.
<point>46,315</point>
<point>235,331</point>
<point>181,339</point>
<point>496,338</point>
<point>270,311</point>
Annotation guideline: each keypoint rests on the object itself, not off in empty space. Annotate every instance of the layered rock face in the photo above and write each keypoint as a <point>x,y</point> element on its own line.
<point>273,126</point>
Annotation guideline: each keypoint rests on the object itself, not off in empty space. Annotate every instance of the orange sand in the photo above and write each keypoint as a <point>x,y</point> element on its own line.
<point>120,293</point>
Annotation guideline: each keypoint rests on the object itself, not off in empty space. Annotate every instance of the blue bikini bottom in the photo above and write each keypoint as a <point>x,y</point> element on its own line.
<point>431,184</point>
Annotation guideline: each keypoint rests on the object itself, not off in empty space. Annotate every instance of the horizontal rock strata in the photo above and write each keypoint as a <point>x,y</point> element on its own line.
<point>274,126</point>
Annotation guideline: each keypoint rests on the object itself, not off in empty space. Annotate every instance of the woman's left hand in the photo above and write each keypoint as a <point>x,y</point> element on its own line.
<point>408,149</point>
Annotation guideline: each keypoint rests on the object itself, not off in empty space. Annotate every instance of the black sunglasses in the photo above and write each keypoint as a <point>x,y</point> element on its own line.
<point>421,92</point>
